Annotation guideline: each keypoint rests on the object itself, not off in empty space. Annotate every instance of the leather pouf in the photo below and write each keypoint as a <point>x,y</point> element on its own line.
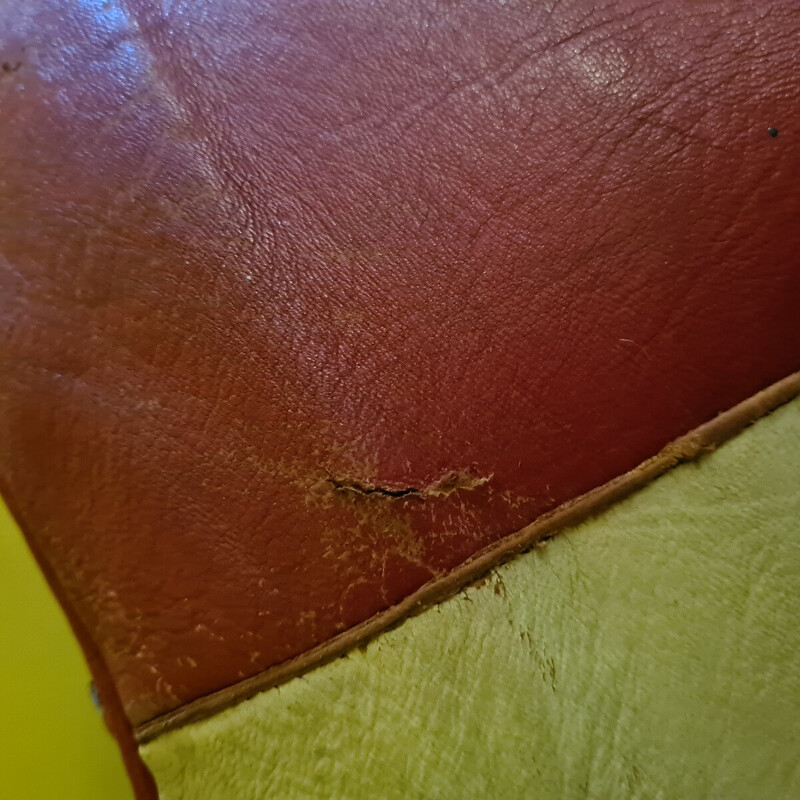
<point>317,316</point>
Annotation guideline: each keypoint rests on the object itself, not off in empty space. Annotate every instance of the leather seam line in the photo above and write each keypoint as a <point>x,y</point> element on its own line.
<point>689,447</point>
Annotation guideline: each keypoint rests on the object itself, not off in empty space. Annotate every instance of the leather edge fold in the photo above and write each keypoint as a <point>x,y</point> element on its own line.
<point>116,722</point>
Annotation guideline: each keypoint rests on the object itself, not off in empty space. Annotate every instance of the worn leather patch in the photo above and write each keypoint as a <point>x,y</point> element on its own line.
<point>649,652</point>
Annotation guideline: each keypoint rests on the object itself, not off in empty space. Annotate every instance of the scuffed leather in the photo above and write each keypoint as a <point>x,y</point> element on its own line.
<point>260,260</point>
<point>568,673</point>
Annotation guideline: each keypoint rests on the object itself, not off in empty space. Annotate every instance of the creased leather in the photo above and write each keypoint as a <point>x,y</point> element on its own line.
<point>303,303</point>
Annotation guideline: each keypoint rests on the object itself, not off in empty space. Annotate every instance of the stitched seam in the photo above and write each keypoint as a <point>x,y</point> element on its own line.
<point>689,447</point>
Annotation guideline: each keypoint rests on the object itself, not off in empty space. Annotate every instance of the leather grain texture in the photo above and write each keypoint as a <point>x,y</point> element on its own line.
<point>649,653</point>
<point>305,302</point>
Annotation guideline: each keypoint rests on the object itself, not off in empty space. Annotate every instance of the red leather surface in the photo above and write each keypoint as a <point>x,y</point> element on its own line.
<point>253,254</point>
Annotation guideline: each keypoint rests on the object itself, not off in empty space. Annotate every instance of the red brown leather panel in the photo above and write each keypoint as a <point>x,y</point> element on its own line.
<point>303,303</point>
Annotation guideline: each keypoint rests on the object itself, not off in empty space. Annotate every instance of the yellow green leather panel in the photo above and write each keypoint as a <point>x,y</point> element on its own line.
<point>53,743</point>
<point>651,652</point>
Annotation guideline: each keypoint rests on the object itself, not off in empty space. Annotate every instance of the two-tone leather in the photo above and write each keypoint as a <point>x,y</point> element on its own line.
<point>305,303</point>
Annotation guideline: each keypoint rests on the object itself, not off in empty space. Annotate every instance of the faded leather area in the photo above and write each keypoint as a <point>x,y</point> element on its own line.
<point>305,303</point>
<point>650,652</point>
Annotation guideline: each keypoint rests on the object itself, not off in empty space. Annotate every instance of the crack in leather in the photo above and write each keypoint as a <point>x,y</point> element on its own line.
<point>453,481</point>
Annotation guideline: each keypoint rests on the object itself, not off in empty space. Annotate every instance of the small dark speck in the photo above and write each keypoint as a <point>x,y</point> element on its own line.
<point>95,695</point>
<point>773,132</point>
